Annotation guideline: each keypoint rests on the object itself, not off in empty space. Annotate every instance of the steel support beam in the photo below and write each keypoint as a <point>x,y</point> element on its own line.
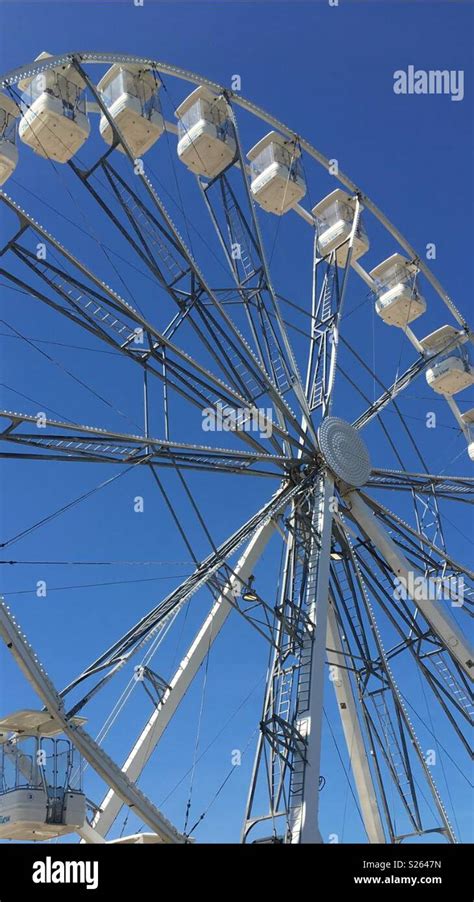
<point>159,720</point>
<point>433,610</point>
<point>304,793</point>
<point>359,761</point>
<point>37,677</point>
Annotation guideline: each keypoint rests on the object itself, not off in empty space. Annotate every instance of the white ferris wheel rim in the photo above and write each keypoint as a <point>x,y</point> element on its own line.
<point>38,66</point>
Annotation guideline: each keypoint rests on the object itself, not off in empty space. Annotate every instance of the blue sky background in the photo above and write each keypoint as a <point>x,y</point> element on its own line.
<point>328,73</point>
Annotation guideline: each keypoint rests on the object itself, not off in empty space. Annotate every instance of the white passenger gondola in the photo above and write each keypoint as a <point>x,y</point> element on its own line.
<point>450,375</point>
<point>206,134</point>
<point>55,123</point>
<point>446,338</point>
<point>451,372</point>
<point>131,96</point>
<point>398,301</point>
<point>40,793</point>
<point>334,219</point>
<point>277,178</point>
<point>9,112</point>
<point>468,420</point>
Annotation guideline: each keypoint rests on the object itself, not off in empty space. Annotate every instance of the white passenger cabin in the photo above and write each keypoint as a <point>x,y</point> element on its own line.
<point>40,779</point>
<point>452,372</point>
<point>334,219</point>
<point>130,94</point>
<point>450,375</point>
<point>277,181</point>
<point>446,338</point>
<point>468,420</point>
<point>9,112</point>
<point>206,137</point>
<point>55,123</point>
<point>398,301</point>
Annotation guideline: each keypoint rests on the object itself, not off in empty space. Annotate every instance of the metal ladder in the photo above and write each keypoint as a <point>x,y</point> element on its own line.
<point>283,712</point>
<point>93,308</point>
<point>278,369</point>
<point>325,311</point>
<point>236,232</point>
<point>347,594</point>
<point>148,227</point>
<point>392,747</point>
<point>321,325</point>
<point>454,686</point>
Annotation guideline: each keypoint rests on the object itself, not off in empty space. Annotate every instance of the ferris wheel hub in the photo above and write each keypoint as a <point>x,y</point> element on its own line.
<point>344,451</point>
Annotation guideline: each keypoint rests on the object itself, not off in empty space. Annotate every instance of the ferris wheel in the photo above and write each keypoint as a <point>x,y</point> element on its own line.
<point>269,359</point>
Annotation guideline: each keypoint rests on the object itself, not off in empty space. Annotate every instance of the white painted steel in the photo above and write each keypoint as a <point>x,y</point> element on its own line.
<point>159,720</point>
<point>433,610</point>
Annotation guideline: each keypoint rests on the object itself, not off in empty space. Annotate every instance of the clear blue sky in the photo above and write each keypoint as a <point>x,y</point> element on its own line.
<point>328,73</point>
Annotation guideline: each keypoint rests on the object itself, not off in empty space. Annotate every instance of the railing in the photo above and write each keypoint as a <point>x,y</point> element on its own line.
<point>40,763</point>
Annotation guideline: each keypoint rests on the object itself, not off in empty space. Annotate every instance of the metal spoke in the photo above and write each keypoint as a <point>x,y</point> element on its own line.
<point>74,442</point>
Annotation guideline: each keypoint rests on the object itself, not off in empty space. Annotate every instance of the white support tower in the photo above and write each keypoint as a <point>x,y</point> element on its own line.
<point>304,798</point>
